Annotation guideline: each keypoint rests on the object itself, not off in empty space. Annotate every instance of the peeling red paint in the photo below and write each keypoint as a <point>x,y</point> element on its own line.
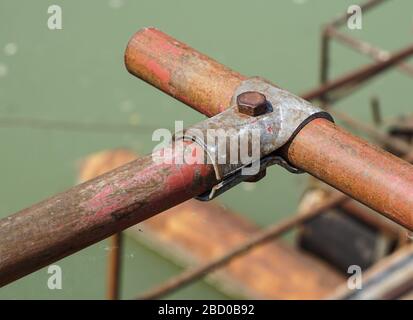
<point>160,72</point>
<point>193,78</point>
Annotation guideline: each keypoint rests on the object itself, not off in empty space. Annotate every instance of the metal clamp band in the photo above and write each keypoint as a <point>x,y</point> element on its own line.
<point>284,117</point>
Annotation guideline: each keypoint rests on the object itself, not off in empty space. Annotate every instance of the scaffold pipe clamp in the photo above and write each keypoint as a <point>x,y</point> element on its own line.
<point>241,142</point>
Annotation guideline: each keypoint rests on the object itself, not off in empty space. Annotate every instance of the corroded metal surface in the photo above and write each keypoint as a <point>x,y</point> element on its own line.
<point>94,210</point>
<point>180,71</point>
<point>373,176</point>
<point>366,48</point>
<point>252,103</point>
<point>225,135</point>
<point>114,267</point>
<point>353,79</point>
<point>270,269</point>
<point>364,172</point>
<point>195,232</point>
<point>290,112</point>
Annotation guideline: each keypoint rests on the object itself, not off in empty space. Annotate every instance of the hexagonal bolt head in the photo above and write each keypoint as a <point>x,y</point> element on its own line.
<point>252,103</point>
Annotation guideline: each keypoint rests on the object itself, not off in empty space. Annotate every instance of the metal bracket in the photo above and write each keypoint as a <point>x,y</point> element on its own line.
<point>285,116</point>
<point>236,177</point>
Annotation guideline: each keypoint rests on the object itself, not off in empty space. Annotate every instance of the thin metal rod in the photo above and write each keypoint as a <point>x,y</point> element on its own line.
<point>355,78</point>
<point>324,57</point>
<point>324,64</point>
<point>259,238</point>
<point>114,266</point>
<point>368,5</point>
<point>96,209</point>
<point>272,231</point>
<point>367,49</point>
<point>376,111</point>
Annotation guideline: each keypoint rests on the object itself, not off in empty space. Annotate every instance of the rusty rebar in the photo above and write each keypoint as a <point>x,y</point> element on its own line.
<point>190,275</point>
<point>376,111</point>
<point>261,237</point>
<point>355,78</point>
<point>114,266</point>
<point>270,233</point>
<point>324,57</point>
<point>366,49</point>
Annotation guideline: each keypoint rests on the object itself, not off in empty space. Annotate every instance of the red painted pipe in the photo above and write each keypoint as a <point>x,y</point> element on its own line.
<point>364,172</point>
<point>94,210</point>
<point>180,71</point>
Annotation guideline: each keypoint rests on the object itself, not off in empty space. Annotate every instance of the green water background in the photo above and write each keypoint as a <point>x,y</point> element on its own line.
<point>77,74</point>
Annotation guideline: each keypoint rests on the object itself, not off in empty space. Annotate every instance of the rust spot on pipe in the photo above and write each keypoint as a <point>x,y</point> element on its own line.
<point>365,172</point>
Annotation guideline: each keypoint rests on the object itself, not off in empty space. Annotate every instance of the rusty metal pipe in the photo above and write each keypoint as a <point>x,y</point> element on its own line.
<point>96,209</point>
<point>366,48</point>
<point>92,211</point>
<point>180,71</point>
<point>364,172</point>
<point>359,76</point>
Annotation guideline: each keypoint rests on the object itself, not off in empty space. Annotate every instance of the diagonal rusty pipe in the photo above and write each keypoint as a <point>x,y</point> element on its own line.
<point>359,76</point>
<point>366,48</point>
<point>365,6</point>
<point>353,166</point>
<point>96,209</point>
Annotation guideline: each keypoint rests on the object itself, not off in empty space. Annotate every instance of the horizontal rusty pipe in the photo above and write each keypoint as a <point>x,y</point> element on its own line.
<point>367,173</point>
<point>96,209</point>
<point>364,172</point>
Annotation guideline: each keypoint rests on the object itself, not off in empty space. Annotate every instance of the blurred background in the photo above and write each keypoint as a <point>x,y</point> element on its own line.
<point>65,94</point>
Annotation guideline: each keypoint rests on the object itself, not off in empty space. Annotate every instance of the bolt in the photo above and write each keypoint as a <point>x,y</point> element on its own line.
<point>252,103</point>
